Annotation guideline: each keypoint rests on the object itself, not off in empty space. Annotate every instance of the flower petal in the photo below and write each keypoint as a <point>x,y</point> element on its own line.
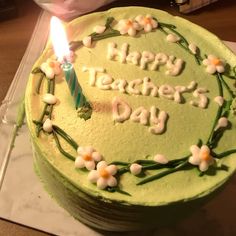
<point>90,165</point>
<point>49,73</point>
<point>101,165</point>
<point>79,162</point>
<point>96,156</point>
<point>131,31</point>
<point>194,149</point>
<point>211,69</point>
<point>137,26</point>
<point>203,166</point>
<point>122,22</point>
<point>93,176</point>
<point>123,31</point>
<point>112,182</point>
<point>112,169</point>
<point>220,68</point>
<point>147,28</point>
<point>204,150</point>
<point>89,150</point>
<point>43,66</point>
<point>101,183</point>
<point>154,23</point>
<point>194,160</point>
<point>139,18</point>
<point>81,151</point>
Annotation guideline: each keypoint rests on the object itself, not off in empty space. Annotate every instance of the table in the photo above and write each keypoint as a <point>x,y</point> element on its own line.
<point>218,18</point>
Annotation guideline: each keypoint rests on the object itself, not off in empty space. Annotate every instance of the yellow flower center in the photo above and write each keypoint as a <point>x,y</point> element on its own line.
<point>104,173</point>
<point>216,61</point>
<point>205,156</point>
<point>87,157</point>
<point>129,23</point>
<point>51,64</point>
<point>147,20</point>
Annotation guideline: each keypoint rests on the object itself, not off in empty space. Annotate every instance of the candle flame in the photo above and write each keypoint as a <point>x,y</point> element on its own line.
<point>59,39</point>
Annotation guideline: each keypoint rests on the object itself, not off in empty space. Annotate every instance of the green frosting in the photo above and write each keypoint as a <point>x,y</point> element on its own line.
<point>129,141</point>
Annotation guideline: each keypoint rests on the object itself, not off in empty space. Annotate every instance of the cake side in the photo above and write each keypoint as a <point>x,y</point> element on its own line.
<point>106,215</point>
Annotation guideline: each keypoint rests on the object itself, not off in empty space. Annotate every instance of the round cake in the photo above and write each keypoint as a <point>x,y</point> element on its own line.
<point>135,127</point>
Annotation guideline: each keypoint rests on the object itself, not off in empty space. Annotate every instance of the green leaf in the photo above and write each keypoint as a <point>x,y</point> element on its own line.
<point>65,136</point>
<point>85,112</point>
<point>122,163</point>
<point>62,151</point>
<point>226,153</point>
<point>163,173</point>
<point>36,70</point>
<point>36,122</point>
<point>109,22</point>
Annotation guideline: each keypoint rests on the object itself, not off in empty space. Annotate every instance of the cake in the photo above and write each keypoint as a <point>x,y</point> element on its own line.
<point>148,134</point>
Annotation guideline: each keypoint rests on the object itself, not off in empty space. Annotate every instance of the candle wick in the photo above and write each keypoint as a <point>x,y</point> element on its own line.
<point>65,59</point>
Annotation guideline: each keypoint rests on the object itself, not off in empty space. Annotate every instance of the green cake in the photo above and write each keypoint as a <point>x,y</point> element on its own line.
<point>145,131</point>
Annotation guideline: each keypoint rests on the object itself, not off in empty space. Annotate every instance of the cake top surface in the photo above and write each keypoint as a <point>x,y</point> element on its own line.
<point>157,95</point>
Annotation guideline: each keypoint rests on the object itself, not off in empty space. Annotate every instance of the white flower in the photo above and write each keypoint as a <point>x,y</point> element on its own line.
<point>104,175</point>
<point>214,64</point>
<point>128,26</point>
<point>201,157</point>
<point>51,68</point>
<point>135,169</point>
<point>87,157</point>
<point>147,22</point>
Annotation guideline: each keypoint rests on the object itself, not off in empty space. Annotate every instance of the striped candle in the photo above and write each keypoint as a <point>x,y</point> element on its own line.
<point>75,88</point>
<point>61,48</point>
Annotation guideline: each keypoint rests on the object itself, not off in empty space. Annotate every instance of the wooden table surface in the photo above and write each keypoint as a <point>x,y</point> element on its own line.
<point>219,18</point>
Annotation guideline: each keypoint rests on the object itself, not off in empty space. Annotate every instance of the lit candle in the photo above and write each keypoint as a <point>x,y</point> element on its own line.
<point>61,48</point>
